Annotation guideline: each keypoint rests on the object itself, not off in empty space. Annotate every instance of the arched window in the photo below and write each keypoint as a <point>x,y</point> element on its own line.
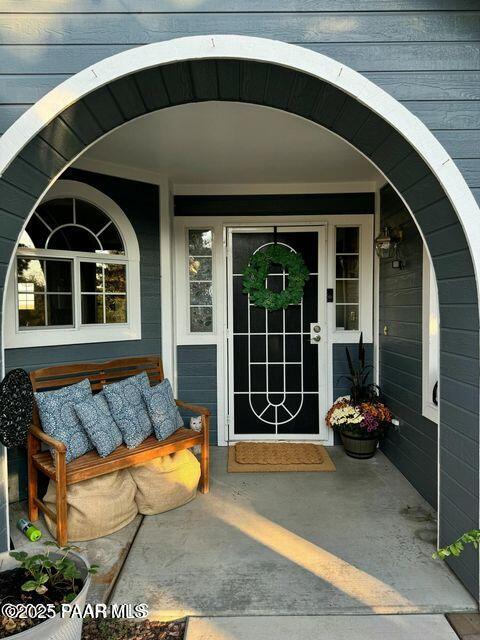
<point>76,274</point>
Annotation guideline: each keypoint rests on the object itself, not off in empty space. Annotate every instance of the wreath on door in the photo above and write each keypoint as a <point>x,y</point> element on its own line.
<point>258,269</point>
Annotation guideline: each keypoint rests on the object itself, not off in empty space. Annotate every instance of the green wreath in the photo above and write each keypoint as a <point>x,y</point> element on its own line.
<point>258,269</point>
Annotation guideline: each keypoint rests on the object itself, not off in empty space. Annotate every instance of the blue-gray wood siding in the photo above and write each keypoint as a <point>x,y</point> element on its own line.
<point>413,448</point>
<point>426,53</point>
<point>447,92</point>
<point>197,380</point>
<point>140,203</point>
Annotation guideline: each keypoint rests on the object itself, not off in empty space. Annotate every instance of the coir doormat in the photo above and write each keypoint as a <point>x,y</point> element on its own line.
<point>265,457</point>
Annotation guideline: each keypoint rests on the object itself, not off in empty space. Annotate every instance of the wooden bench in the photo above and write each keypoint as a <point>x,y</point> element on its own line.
<point>91,464</point>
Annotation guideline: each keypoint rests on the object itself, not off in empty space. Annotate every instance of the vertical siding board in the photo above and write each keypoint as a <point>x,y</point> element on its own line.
<point>178,83</point>
<point>152,89</point>
<point>350,119</point>
<point>254,80</point>
<point>81,121</point>
<point>128,98</point>
<point>26,177</point>
<point>229,79</point>
<point>204,78</point>
<point>61,138</point>
<point>104,109</point>
<point>279,87</point>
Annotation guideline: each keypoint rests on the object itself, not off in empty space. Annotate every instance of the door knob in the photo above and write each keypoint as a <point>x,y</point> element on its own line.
<point>316,338</point>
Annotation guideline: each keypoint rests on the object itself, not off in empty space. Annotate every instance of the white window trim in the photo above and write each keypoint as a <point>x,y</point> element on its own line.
<point>430,338</point>
<point>81,334</point>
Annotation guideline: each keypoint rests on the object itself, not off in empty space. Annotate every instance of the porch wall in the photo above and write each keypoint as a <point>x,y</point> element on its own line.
<point>140,203</point>
<point>426,53</point>
<point>413,448</point>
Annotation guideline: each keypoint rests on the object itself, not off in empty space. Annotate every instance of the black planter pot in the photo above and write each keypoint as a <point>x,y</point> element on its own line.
<point>359,446</point>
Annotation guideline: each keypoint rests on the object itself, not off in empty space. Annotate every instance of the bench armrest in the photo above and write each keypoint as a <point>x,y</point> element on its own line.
<point>41,435</point>
<point>193,408</point>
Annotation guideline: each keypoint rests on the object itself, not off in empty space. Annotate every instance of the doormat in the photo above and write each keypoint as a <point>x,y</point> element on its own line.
<point>265,457</point>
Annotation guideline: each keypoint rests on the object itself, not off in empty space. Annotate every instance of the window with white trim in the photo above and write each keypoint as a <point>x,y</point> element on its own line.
<point>347,278</point>
<point>200,280</point>
<point>430,332</point>
<point>75,276</point>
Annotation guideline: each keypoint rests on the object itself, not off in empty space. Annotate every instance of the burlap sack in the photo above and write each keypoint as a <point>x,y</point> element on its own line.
<point>166,483</point>
<point>96,507</point>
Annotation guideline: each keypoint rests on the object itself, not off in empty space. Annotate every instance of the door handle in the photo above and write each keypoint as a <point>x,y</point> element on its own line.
<point>315,331</point>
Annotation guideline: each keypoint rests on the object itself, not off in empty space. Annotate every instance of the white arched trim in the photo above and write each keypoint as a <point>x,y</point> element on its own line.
<point>262,50</point>
<point>16,338</point>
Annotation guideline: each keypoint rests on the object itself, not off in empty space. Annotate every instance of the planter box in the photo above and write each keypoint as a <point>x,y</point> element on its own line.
<point>357,446</point>
<point>55,628</point>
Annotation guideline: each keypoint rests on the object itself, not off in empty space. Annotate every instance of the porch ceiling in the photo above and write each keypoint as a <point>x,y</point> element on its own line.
<point>227,142</point>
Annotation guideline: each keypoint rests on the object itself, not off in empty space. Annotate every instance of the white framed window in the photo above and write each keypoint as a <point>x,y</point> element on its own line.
<point>351,278</point>
<point>200,316</point>
<point>75,277</point>
<point>430,342</point>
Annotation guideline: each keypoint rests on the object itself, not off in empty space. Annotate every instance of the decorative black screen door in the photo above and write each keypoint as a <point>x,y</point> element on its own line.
<point>277,359</point>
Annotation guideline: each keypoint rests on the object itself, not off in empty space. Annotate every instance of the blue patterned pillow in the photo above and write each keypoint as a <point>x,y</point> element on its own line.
<point>97,421</point>
<point>59,419</point>
<point>128,408</point>
<point>162,409</point>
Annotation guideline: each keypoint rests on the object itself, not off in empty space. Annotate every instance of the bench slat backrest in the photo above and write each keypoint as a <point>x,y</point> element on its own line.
<point>99,373</point>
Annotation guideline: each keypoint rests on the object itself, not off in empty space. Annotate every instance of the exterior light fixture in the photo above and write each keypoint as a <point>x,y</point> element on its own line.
<point>386,246</point>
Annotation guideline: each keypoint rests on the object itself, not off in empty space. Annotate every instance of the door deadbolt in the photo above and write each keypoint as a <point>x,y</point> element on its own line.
<point>317,328</point>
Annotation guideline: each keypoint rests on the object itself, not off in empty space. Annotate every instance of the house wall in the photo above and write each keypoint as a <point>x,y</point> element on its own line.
<point>140,203</point>
<point>413,447</point>
<point>426,53</point>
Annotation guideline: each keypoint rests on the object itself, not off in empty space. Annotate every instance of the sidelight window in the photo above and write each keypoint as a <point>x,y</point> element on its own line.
<point>347,278</point>
<point>200,280</point>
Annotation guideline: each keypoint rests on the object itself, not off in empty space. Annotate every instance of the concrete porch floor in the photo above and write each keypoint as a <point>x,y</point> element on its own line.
<point>356,541</point>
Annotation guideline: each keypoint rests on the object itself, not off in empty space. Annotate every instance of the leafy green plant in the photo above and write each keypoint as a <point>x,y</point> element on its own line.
<point>258,268</point>
<point>46,572</point>
<point>360,389</point>
<point>456,548</point>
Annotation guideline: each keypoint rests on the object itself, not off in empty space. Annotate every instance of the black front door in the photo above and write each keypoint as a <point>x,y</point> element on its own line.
<point>277,359</point>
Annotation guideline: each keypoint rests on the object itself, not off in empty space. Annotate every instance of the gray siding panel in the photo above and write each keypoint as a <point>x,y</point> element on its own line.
<point>197,380</point>
<point>413,448</point>
<point>140,202</point>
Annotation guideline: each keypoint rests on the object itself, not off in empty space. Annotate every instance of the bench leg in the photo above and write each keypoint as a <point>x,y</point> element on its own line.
<point>33,448</point>
<point>204,458</point>
<point>61,498</point>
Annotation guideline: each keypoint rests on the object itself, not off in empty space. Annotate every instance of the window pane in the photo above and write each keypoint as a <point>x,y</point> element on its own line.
<point>91,276</point>
<point>200,268</point>
<point>115,309</point>
<point>56,212</point>
<point>32,272</point>
<point>35,234</point>
<point>201,319</point>
<point>347,317</point>
<point>73,239</point>
<point>90,216</point>
<point>347,291</point>
<point>59,275</point>
<point>31,310</point>
<point>60,310</point>
<point>115,278</point>
<point>347,266</point>
<point>200,293</point>
<point>200,242</point>
<point>92,309</point>
<point>347,239</point>
<point>111,241</point>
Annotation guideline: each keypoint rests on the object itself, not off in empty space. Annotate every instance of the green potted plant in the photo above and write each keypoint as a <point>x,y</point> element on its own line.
<point>361,418</point>
<point>36,587</point>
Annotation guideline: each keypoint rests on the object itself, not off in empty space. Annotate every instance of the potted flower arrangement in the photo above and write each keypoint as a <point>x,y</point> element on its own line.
<point>361,418</point>
<point>35,587</point>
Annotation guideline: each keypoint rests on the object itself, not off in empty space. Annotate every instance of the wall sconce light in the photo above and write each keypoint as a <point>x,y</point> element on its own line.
<point>386,246</point>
